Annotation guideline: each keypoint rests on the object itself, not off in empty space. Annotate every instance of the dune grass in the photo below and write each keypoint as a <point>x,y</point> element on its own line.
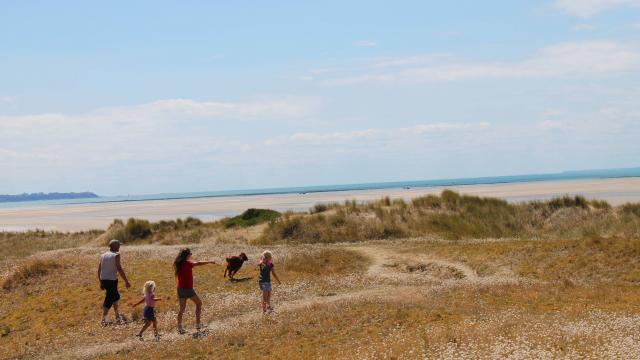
<point>454,216</point>
<point>23,244</point>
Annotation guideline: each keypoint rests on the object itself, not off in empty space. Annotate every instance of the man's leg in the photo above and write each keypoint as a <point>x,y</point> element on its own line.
<point>115,310</point>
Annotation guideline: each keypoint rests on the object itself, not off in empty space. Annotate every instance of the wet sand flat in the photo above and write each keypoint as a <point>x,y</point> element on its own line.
<point>77,217</point>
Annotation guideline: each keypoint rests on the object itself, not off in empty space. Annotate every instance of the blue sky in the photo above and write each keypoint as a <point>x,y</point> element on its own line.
<point>129,97</point>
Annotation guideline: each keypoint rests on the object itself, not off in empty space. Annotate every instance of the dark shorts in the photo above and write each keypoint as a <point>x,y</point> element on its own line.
<point>186,293</point>
<point>111,294</point>
<point>149,313</point>
<point>265,286</point>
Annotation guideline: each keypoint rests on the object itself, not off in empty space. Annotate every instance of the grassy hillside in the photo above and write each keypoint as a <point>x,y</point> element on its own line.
<point>448,276</point>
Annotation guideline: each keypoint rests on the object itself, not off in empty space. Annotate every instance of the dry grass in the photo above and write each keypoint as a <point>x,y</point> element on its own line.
<point>455,216</point>
<point>28,272</point>
<point>555,279</point>
<point>22,244</point>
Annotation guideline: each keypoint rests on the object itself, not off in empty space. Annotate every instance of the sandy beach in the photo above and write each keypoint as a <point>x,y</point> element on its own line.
<point>77,217</point>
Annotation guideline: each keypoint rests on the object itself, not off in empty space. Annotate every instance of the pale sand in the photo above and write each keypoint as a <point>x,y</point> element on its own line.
<point>98,216</point>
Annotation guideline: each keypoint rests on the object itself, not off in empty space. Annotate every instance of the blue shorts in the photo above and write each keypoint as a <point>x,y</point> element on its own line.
<point>265,286</point>
<point>149,313</point>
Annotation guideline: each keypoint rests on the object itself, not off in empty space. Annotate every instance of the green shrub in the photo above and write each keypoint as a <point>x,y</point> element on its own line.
<point>251,217</point>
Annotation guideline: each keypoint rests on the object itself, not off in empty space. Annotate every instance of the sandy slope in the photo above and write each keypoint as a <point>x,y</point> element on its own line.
<point>93,216</point>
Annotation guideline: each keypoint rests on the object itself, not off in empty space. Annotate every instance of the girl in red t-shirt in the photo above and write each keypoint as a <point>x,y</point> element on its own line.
<point>183,270</point>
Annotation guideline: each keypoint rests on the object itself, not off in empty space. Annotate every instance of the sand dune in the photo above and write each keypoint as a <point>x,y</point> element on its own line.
<point>78,217</point>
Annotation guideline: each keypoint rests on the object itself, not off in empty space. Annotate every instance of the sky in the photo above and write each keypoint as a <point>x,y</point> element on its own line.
<point>142,97</point>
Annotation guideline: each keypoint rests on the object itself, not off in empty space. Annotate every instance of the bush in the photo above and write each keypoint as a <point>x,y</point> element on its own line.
<point>251,217</point>
<point>318,208</point>
<point>133,230</point>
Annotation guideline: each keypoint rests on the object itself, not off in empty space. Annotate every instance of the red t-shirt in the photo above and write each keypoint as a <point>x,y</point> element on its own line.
<point>185,276</point>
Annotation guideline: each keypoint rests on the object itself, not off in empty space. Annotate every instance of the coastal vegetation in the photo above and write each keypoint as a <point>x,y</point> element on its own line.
<point>47,196</point>
<point>453,216</point>
<point>447,276</point>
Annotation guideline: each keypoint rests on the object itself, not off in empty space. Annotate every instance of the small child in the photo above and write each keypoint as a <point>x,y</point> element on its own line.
<point>264,280</point>
<point>149,313</point>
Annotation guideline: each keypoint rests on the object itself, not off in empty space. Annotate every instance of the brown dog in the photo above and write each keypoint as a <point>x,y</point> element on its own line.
<point>234,263</point>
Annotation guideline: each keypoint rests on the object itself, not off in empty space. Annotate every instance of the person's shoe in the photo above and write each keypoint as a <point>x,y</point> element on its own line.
<point>201,326</point>
<point>157,337</point>
<point>139,337</point>
<point>181,331</point>
<point>104,323</point>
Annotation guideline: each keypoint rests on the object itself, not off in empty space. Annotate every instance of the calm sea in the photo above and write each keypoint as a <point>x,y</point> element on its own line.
<point>568,175</point>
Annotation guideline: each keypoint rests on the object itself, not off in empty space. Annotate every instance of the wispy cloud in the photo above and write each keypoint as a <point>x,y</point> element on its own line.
<point>583,59</point>
<point>588,8</point>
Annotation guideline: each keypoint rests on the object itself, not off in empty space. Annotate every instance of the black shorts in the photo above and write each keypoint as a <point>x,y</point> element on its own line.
<point>149,313</point>
<point>186,293</point>
<point>111,293</point>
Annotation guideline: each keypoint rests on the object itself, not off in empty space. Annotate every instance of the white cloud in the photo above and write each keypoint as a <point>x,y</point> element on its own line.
<point>581,59</point>
<point>588,8</point>
<point>364,43</point>
<point>380,134</point>
<point>163,130</point>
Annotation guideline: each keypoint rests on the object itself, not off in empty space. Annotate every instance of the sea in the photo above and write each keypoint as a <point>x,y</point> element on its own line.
<point>561,176</point>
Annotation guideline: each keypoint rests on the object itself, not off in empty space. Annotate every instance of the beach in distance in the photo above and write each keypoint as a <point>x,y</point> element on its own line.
<point>86,216</point>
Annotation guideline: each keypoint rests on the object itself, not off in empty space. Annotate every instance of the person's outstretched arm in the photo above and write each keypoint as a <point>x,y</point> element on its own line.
<point>121,271</point>
<point>138,303</point>
<point>198,263</point>
<point>273,271</point>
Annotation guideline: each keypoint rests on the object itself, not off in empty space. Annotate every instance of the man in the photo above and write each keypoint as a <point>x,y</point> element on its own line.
<point>108,271</point>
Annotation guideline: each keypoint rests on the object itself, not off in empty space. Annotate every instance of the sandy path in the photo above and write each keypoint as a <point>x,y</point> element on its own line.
<point>395,274</point>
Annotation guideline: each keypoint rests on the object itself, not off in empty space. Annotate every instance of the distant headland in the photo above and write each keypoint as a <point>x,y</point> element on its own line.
<point>47,196</point>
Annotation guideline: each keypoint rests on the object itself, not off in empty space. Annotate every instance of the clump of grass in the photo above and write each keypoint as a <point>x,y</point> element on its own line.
<point>251,217</point>
<point>568,202</point>
<point>28,272</point>
<point>177,224</point>
<point>631,209</point>
<point>131,231</point>
<point>322,207</point>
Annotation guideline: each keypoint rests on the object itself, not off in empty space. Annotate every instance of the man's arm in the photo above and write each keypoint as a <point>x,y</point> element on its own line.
<point>99,271</point>
<point>121,271</point>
